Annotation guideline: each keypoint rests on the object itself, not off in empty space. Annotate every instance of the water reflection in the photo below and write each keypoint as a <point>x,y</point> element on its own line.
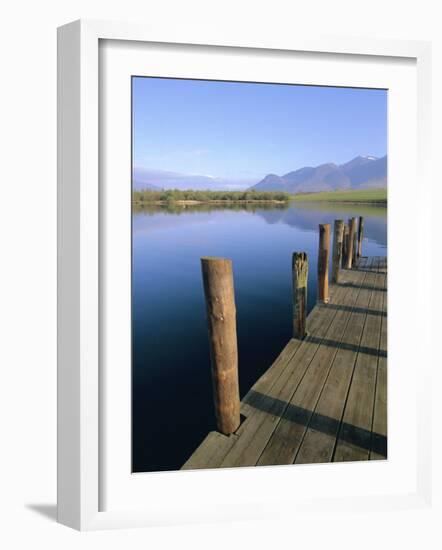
<point>169,332</point>
<point>304,216</point>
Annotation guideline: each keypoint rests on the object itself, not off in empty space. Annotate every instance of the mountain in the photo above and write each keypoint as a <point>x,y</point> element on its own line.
<point>358,173</point>
<point>143,178</point>
<point>140,186</point>
<point>367,172</point>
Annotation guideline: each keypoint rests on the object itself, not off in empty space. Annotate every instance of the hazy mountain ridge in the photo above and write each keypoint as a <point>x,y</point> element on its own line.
<point>156,180</point>
<point>359,173</point>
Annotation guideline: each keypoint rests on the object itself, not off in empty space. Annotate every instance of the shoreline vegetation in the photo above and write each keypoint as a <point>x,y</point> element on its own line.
<point>189,197</point>
<point>365,196</point>
<point>193,198</point>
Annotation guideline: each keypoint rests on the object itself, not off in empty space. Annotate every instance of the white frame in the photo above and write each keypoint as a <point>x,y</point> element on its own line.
<point>119,487</point>
<point>78,265</point>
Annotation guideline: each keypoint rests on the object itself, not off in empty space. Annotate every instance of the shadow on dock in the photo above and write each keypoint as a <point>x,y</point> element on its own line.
<point>355,309</point>
<point>366,287</point>
<point>375,352</point>
<point>354,435</point>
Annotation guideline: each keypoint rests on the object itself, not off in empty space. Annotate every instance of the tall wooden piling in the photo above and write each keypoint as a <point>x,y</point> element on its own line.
<point>355,247</point>
<point>221,317</point>
<point>323,256</point>
<point>360,235</point>
<point>345,246</point>
<point>299,278</point>
<point>338,237</point>
<point>351,238</point>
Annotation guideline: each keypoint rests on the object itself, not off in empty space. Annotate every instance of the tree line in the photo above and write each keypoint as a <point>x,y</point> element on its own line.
<point>174,195</point>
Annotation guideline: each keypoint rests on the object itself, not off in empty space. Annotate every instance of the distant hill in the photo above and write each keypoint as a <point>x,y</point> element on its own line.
<point>359,173</point>
<point>146,178</point>
<point>142,186</point>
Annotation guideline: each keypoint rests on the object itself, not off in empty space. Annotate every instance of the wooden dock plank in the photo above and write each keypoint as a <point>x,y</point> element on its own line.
<point>323,398</point>
<point>287,437</point>
<point>315,319</point>
<point>378,449</point>
<point>319,442</point>
<point>354,439</point>
<point>210,452</point>
<point>379,431</point>
<point>215,446</point>
<point>269,407</point>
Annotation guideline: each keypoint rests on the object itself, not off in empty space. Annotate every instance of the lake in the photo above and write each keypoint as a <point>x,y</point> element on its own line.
<point>172,393</point>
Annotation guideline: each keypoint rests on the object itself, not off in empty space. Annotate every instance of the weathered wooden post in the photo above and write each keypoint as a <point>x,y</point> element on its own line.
<point>221,318</point>
<point>323,255</point>
<point>360,235</point>
<point>299,278</point>
<point>338,237</point>
<point>351,238</point>
<point>355,246</point>
<point>345,246</point>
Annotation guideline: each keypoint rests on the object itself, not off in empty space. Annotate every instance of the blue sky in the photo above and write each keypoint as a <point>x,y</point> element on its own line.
<point>240,132</point>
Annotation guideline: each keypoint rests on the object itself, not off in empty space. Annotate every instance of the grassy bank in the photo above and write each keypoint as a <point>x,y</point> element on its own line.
<point>373,196</point>
<point>175,196</point>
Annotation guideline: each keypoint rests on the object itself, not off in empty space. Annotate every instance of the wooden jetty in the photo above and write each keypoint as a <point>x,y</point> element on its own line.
<point>324,399</point>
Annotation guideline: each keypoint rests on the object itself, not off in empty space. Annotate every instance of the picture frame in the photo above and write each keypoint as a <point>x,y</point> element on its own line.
<point>80,296</point>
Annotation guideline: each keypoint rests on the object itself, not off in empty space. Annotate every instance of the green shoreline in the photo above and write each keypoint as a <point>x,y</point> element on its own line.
<point>335,201</point>
<point>375,197</point>
<point>190,203</point>
<point>360,196</point>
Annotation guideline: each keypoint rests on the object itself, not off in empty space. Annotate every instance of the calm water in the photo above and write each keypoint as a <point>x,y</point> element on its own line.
<point>172,396</point>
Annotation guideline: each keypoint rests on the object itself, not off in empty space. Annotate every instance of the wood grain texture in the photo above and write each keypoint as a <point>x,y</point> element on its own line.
<point>221,318</point>
<point>378,449</point>
<point>325,397</point>
<point>350,241</point>
<point>354,439</point>
<point>299,278</point>
<point>360,235</point>
<point>211,452</point>
<point>323,258</point>
<point>338,237</point>
<point>319,442</point>
<point>345,246</point>
<point>287,437</point>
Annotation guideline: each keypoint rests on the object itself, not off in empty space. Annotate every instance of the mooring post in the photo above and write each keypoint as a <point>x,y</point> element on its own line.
<point>221,319</point>
<point>355,246</point>
<point>323,255</point>
<point>299,278</point>
<point>338,237</point>
<point>360,235</point>
<point>345,246</point>
<point>351,238</point>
